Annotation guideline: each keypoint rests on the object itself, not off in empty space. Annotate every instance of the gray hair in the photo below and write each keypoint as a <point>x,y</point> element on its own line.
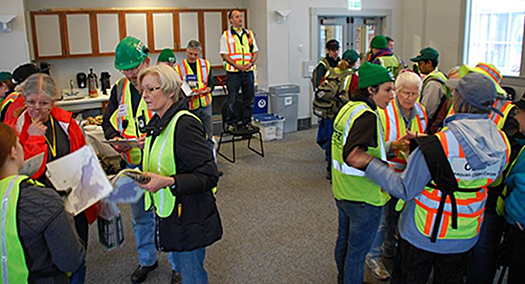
<point>170,82</point>
<point>40,83</point>
<point>407,78</point>
<point>460,105</point>
<point>194,44</point>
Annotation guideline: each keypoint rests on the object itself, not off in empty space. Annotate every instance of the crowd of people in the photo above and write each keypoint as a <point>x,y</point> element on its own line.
<point>423,168</point>
<point>426,167</point>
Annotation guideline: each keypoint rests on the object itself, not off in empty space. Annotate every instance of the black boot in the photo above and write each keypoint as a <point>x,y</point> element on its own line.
<point>141,273</point>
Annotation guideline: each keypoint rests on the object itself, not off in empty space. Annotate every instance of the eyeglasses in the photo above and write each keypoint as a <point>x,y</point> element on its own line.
<point>150,90</point>
<point>132,70</point>
<point>406,94</point>
<point>42,105</point>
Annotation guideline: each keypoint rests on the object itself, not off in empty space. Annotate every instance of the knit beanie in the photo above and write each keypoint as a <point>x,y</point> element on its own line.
<point>372,75</point>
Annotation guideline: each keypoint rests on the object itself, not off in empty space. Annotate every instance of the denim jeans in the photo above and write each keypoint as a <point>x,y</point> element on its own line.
<point>190,264</point>
<point>144,229</point>
<point>243,81</point>
<point>205,115</point>
<point>481,266</point>
<point>358,223</point>
<point>386,233</point>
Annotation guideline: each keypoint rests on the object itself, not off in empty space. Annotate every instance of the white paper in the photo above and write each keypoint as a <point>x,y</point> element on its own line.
<point>125,190</point>
<point>32,165</point>
<point>80,174</point>
<point>188,92</point>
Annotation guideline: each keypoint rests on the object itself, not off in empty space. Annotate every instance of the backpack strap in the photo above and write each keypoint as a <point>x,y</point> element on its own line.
<point>443,176</point>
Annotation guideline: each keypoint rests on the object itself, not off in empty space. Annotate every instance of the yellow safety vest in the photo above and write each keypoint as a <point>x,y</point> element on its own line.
<point>470,205</point>
<point>500,203</point>
<point>390,62</point>
<point>240,53</point>
<point>159,158</point>
<point>126,122</point>
<point>9,99</point>
<point>394,126</point>
<point>505,107</point>
<point>203,69</point>
<point>349,183</point>
<point>13,264</point>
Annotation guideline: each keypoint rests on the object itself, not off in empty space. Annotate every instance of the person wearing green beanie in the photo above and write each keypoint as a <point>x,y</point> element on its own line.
<point>167,56</point>
<point>124,117</point>
<point>382,55</point>
<point>359,200</point>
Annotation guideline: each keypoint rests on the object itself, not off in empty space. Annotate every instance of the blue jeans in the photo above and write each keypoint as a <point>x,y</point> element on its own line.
<point>386,233</point>
<point>358,223</point>
<point>144,228</point>
<point>205,115</point>
<point>481,266</point>
<point>243,111</point>
<point>190,264</point>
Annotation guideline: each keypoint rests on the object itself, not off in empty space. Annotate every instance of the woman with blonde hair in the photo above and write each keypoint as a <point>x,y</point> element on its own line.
<point>46,128</point>
<point>183,176</point>
<point>38,244</point>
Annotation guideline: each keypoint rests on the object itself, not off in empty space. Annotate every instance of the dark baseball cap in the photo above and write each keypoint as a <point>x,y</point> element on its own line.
<point>23,71</point>
<point>427,53</point>
<point>520,104</point>
<point>332,44</point>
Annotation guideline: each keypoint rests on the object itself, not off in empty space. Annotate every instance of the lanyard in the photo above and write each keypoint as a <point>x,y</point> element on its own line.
<point>52,147</point>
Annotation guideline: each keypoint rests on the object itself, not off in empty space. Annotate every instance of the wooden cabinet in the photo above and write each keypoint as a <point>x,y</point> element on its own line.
<point>79,34</point>
<point>96,32</point>
<point>108,32</point>
<point>47,38</point>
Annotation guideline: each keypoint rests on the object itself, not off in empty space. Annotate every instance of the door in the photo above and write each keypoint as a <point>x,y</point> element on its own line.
<point>351,32</point>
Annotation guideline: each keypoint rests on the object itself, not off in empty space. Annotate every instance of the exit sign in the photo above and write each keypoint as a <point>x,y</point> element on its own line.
<point>354,4</point>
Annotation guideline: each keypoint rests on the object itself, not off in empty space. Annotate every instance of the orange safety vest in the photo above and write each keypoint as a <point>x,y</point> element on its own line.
<point>203,69</point>
<point>394,126</point>
<point>240,53</point>
<point>505,106</point>
<point>470,205</point>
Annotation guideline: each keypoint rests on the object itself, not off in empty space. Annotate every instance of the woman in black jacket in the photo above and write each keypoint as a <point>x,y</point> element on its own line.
<point>183,176</point>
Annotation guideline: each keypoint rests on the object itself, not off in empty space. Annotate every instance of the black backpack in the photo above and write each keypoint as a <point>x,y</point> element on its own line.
<point>331,95</point>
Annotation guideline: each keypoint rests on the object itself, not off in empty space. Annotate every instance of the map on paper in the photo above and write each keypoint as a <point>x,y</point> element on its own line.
<point>81,175</point>
<point>125,190</point>
<point>32,165</point>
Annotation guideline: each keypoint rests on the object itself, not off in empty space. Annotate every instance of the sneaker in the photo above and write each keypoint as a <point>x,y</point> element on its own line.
<point>176,277</point>
<point>377,267</point>
<point>141,273</point>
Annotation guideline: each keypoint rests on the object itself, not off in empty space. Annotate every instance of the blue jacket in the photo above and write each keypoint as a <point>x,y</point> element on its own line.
<point>515,201</point>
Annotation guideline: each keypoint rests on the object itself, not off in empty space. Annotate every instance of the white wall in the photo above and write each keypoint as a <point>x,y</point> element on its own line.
<point>433,23</point>
<point>257,22</point>
<point>13,46</point>
<point>289,43</point>
<point>63,70</point>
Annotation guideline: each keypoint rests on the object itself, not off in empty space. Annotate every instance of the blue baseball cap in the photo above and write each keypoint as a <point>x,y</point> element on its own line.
<point>477,90</point>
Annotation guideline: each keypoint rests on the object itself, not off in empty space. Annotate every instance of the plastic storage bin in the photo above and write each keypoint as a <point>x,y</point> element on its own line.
<point>272,126</point>
<point>284,102</point>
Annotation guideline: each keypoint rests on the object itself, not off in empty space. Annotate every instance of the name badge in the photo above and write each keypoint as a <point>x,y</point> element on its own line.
<point>192,80</point>
<point>122,110</point>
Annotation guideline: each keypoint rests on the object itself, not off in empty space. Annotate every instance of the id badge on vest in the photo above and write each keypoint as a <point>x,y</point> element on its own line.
<point>191,79</point>
<point>122,110</point>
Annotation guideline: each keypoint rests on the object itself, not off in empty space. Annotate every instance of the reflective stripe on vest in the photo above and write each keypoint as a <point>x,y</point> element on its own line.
<point>203,69</point>
<point>505,107</point>
<point>239,53</point>
<point>470,205</point>
<point>124,112</point>
<point>9,99</point>
<point>14,267</point>
<point>394,125</point>
<point>349,183</point>
<point>159,158</point>
<point>438,76</point>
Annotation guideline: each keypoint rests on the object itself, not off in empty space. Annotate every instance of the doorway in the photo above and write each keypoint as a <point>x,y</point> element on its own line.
<point>352,32</point>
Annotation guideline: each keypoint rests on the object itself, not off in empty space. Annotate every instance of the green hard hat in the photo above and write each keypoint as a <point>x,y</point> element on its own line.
<point>379,41</point>
<point>167,55</point>
<point>130,52</point>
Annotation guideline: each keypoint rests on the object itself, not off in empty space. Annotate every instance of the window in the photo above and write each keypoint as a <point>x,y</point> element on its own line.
<point>494,34</point>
